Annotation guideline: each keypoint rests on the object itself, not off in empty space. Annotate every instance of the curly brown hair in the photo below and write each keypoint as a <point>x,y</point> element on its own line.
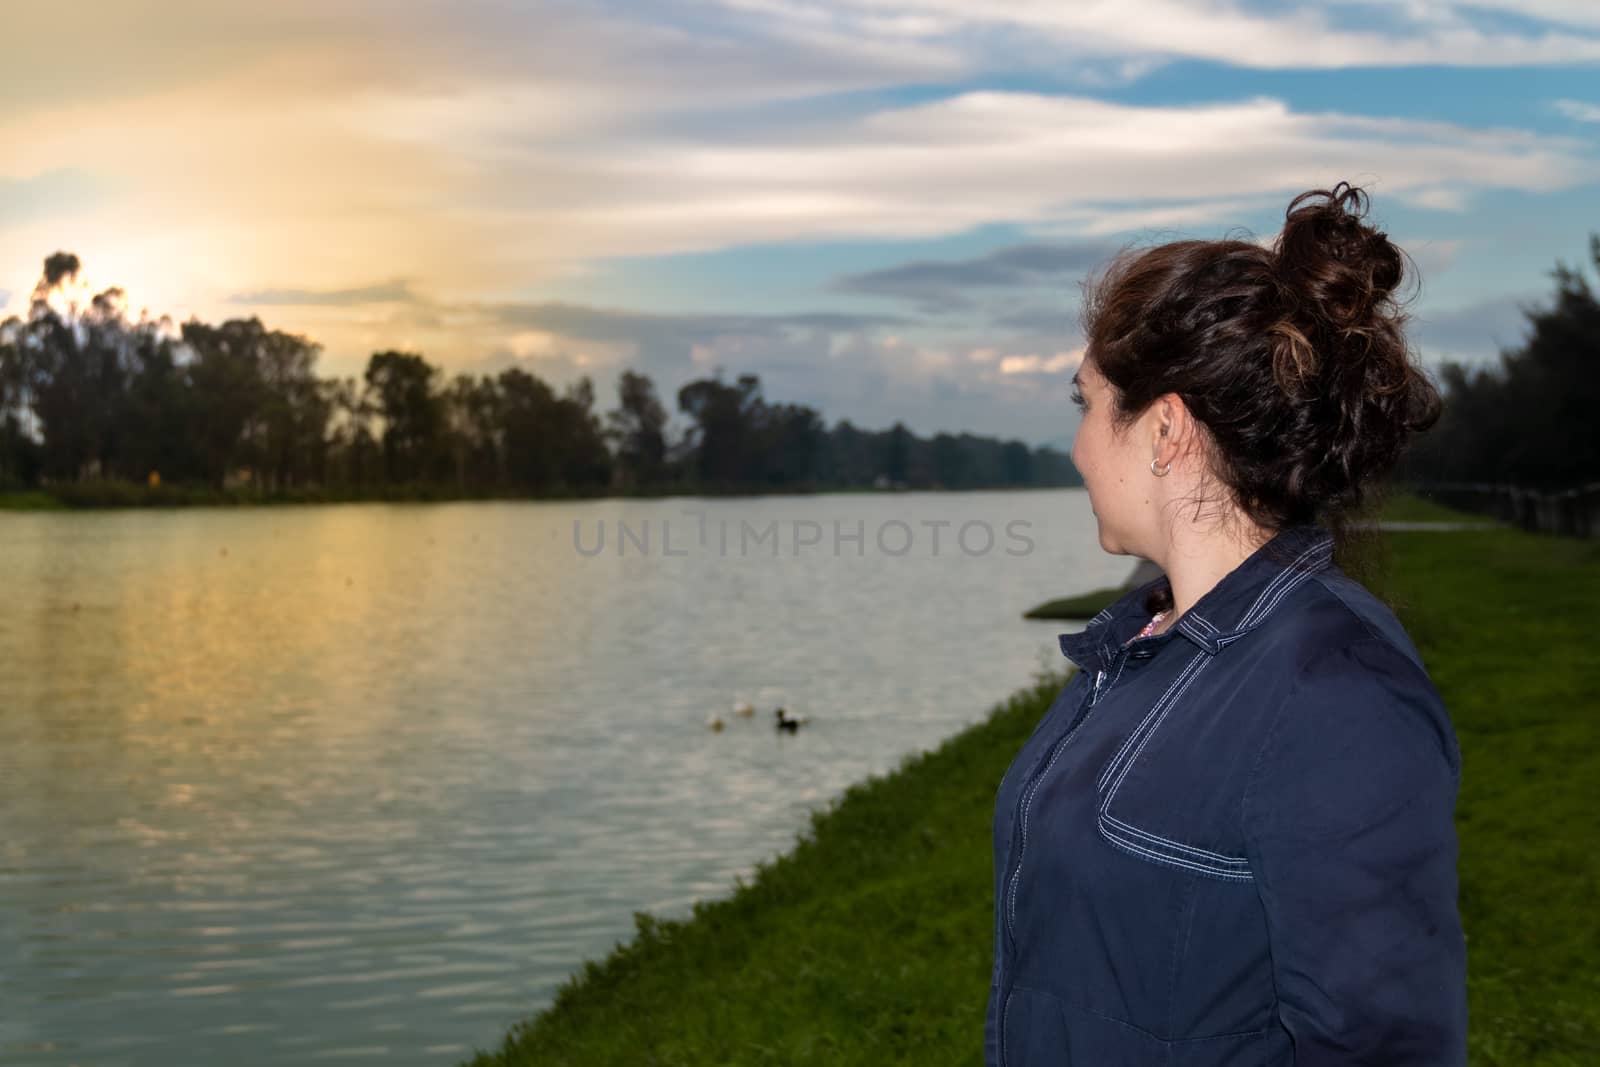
<point>1293,358</point>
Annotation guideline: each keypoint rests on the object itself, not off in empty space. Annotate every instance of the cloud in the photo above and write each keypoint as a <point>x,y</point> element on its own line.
<point>1056,162</point>
<point>936,285</point>
<point>1290,36</point>
<point>560,65</point>
<point>1036,364</point>
<point>569,339</point>
<point>613,324</point>
<point>1578,110</point>
<point>395,292</point>
<point>1566,12</point>
<point>1473,333</point>
<point>1055,320</point>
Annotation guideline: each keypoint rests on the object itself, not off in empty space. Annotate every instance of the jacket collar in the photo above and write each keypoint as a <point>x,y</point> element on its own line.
<point>1233,607</point>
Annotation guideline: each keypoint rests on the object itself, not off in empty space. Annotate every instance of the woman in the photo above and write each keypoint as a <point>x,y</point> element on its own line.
<point>1230,840</point>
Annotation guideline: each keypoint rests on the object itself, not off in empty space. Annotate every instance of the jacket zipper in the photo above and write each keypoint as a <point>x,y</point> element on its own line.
<point>1032,787</point>
<point>1028,791</point>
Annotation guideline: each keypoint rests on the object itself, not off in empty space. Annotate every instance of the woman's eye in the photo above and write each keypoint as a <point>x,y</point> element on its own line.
<point>1077,398</point>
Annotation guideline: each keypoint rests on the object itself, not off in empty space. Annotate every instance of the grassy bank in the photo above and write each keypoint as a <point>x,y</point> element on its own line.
<point>1082,606</point>
<point>869,942</point>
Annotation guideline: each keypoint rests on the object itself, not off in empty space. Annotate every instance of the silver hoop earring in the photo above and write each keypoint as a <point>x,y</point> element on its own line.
<point>1159,473</point>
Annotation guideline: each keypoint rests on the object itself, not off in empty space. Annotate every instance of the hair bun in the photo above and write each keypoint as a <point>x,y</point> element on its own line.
<point>1337,268</point>
<point>1293,358</point>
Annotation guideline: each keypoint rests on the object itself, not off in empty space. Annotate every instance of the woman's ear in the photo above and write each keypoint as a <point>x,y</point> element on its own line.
<point>1173,433</point>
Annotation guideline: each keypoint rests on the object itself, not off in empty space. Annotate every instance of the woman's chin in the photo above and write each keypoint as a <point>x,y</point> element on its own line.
<point>1110,543</point>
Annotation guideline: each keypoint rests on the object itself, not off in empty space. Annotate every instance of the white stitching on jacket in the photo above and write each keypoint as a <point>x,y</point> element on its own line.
<point>1176,861</point>
<point>1290,579</point>
<point>1105,775</point>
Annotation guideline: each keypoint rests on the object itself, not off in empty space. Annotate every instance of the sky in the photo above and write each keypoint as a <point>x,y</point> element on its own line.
<point>883,208</point>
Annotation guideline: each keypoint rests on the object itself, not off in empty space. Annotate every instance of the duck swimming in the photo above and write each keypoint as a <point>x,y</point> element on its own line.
<point>784,722</point>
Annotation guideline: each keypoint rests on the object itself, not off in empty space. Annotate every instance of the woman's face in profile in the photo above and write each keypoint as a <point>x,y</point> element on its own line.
<point>1111,464</point>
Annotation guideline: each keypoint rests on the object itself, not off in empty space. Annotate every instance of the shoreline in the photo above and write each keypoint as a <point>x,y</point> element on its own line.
<point>107,496</point>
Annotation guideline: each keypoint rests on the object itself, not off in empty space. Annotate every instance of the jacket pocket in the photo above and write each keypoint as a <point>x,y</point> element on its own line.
<point>1133,834</point>
<point>1157,849</point>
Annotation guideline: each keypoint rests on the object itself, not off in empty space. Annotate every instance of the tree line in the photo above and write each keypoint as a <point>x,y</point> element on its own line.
<point>1531,419</point>
<point>87,392</point>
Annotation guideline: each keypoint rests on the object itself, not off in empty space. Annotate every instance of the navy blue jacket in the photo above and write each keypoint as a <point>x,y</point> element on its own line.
<point>1234,842</point>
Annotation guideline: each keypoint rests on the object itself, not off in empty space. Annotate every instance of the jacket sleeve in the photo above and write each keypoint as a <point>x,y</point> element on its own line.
<point>1349,820</point>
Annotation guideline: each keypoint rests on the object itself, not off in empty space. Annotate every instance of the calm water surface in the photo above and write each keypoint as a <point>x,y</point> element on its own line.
<point>369,781</point>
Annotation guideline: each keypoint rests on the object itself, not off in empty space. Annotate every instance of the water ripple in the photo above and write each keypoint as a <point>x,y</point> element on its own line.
<point>371,783</point>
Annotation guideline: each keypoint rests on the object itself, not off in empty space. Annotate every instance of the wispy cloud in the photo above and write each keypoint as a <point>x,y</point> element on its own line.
<point>1036,159</point>
<point>612,324</point>
<point>1036,364</point>
<point>1580,13</point>
<point>394,292</point>
<point>1058,318</point>
<point>1294,35</point>
<point>1579,110</point>
<point>556,66</point>
<point>943,285</point>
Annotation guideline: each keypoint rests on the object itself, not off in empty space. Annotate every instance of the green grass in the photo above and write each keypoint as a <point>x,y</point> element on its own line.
<point>869,942</point>
<point>29,500</point>
<point>1080,608</point>
<point>1412,507</point>
<point>1504,620</point>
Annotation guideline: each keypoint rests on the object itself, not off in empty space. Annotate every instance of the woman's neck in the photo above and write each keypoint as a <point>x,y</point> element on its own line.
<point>1197,558</point>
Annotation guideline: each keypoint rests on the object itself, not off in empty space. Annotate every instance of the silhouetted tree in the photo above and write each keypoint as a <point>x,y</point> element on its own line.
<point>70,365</point>
<point>294,412</point>
<point>723,428</point>
<point>897,453</point>
<point>402,388</point>
<point>791,436</point>
<point>1530,420</point>
<point>527,406</point>
<point>225,383</point>
<point>355,457</point>
<point>585,461</point>
<point>638,426</point>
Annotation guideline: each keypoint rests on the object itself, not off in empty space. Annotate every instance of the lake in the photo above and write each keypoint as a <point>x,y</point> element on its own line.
<point>369,781</point>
